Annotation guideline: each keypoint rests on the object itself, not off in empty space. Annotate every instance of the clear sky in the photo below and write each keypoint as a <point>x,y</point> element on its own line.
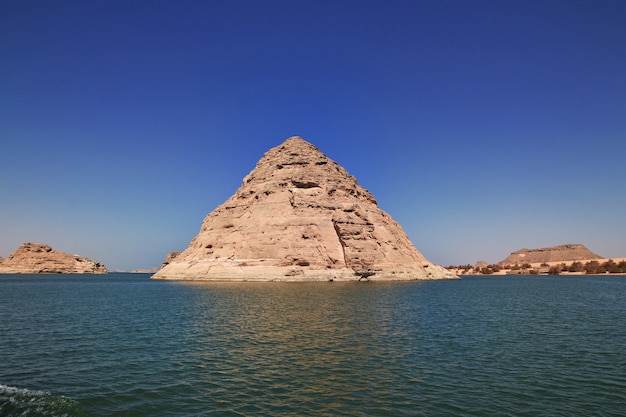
<point>482,127</point>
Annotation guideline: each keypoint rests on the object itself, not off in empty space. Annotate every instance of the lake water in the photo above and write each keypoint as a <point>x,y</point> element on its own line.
<point>123,345</point>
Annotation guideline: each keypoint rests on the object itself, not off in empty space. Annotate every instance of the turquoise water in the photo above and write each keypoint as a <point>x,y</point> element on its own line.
<point>122,345</point>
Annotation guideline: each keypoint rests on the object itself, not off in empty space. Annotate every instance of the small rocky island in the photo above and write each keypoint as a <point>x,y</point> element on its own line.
<point>299,216</point>
<point>37,258</point>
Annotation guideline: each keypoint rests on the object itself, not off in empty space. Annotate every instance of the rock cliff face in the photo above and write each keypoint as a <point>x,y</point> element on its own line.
<point>562,253</point>
<point>299,216</point>
<point>35,258</point>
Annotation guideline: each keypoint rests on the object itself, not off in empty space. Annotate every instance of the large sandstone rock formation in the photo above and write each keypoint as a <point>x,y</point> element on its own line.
<point>562,253</point>
<point>299,216</point>
<point>35,258</point>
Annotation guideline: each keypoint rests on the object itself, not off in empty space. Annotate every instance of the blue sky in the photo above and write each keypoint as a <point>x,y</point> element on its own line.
<point>482,127</point>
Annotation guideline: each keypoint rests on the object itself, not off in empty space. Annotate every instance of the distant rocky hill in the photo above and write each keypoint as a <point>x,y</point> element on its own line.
<point>562,253</point>
<point>299,216</point>
<point>37,258</point>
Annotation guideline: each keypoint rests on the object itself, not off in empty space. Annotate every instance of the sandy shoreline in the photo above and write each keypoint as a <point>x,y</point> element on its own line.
<point>584,261</point>
<point>541,267</point>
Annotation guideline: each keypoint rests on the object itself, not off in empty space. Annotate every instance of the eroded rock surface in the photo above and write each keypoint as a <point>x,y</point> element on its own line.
<point>299,216</point>
<point>169,258</point>
<point>37,258</point>
<point>561,253</point>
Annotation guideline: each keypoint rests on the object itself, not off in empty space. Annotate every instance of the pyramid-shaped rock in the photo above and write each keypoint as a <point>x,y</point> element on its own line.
<point>299,216</point>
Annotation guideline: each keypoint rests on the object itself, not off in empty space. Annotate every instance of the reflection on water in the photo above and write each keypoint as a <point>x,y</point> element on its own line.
<point>324,345</point>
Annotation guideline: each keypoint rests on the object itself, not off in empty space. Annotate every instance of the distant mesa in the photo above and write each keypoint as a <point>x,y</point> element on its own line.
<point>299,216</point>
<point>37,258</point>
<point>562,253</point>
<point>145,270</point>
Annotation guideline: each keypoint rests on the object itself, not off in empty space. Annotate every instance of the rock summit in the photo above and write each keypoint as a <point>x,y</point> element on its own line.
<point>299,216</point>
<point>37,258</point>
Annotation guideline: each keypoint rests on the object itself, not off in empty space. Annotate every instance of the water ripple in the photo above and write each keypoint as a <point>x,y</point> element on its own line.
<point>475,347</point>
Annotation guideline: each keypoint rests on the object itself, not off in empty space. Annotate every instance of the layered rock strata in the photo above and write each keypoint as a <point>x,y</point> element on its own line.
<point>36,258</point>
<point>561,253</point>
<point>299,216</point>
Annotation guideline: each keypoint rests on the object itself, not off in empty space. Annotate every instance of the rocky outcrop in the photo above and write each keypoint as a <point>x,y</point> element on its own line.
<point>561,253</point>
<point>169,258</point>
<point>480,264</point>
<point>299,216</point>
<point>36,258</point>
